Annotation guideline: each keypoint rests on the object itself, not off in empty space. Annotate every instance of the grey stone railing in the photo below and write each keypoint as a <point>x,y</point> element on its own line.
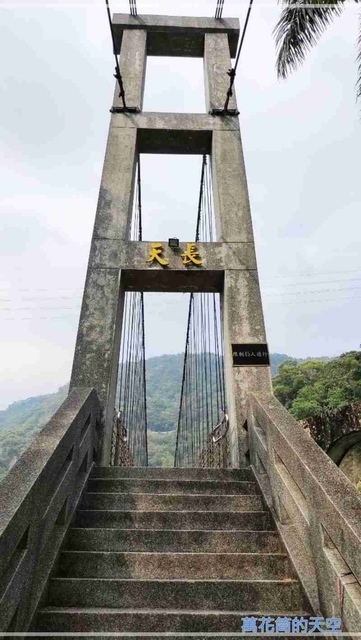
<point>316,508</point>
<point>37,500</point>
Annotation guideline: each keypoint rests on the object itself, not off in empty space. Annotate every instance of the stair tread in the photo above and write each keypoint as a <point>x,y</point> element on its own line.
<point>193,612</point>
<point>173,531</point>
<point>178,553</point>
<point>263,511</point>
<point>183,495</point>
<point>219,570</point>
<point>134,479</point>
<point>176,580</point>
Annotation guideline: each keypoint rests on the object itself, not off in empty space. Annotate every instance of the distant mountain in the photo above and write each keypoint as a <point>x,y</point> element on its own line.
<point>22,420</point>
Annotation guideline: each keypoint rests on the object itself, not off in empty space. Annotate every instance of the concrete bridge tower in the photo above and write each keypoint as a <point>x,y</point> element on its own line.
<point>98,549</point>
<point>117,264</point>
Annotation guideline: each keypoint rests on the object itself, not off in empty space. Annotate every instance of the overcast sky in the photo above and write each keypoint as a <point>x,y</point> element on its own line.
<point>302,143</point>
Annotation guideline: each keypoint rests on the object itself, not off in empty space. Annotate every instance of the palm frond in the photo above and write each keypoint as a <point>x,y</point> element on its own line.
<point>358,83</point>
<point>299,28</point>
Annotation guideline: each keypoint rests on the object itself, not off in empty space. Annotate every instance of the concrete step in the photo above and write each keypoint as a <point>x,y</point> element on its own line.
<point>186,520</point>
<point>243,473</point>
<point>141,485</point>
<point>165,502</point>
<point>172,566</point>
<point>81,539</point>
<point>158,622</point>
<point>201,595</point>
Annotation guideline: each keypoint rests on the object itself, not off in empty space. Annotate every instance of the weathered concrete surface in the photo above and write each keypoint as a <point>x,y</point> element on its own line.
<point>132,63</point>
<point>176,35</point>
<point>217,62</point>
<point>98,342</point>
<point>111,253</point>
<point>37,500</point>
<point>231,200</point>
<point>114,209</point>
<point>243,323</point>
<point>317,509</point>
<point>138,570</point>
<point>174,122</point>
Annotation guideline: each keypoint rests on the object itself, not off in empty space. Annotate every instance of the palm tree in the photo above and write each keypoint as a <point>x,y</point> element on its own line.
<point>299,28</point>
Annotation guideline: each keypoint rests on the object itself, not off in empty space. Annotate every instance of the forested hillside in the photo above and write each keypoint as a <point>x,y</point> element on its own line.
<point>22,420</point>
<point>310,387</point>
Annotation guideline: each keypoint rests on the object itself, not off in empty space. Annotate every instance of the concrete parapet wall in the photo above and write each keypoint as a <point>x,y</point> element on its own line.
<point>317,509</point>
<point>37,500</point>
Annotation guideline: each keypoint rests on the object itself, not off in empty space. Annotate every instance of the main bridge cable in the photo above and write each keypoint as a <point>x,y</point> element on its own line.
<point>117,74</point>
<point>219,9</point>
<point>232,72</point>
<point>133,7</point>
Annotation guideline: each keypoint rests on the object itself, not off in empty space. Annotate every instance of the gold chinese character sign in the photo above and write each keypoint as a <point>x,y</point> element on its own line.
<point>191,254</point>
<point>155,253</point>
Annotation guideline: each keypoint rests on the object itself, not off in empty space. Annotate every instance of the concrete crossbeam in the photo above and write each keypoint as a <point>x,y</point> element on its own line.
<point>180,133</point>
<point>131,258</point>
<point>176,35</point>
<point>216,256</point>
<point>160,121</point>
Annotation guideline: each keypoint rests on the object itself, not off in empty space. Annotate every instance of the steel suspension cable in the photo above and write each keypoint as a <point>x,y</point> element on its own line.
<point>219,9</point>
<point>130,435</point>
<point>117,75</point>
<point>232,72</point>
<point>133,7</point>
<point>202,401</point>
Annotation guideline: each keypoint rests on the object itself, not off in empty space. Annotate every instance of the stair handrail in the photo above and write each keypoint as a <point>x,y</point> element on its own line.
<point>316,508</point>
<point>38,498</point>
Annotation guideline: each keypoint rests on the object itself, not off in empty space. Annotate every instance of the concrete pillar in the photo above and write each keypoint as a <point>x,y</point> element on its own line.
<point>241,300</point>
<point>132,63</point>
<point>98,340</point>
<point>217,61</point>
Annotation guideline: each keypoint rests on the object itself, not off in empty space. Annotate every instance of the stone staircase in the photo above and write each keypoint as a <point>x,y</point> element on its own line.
<point>169,551</point>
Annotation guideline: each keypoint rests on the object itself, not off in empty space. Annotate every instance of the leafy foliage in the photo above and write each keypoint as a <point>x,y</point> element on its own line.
<point>300,27</point>
<point>21,421</point>
<point>311,387</point>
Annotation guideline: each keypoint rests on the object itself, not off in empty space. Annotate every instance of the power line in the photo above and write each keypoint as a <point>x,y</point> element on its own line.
<point>42,289</point>
<point>268,295</point>
<point>306,291</point>
<point>301,284</point>
<point>318,300</point>
<point>316,273</point>
<point>73,315</point>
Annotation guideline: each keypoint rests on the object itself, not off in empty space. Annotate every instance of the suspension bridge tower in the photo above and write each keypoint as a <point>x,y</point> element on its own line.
<point>270,547</point>
<point>120,263</point>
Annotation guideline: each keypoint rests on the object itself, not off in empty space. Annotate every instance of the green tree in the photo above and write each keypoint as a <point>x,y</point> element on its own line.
<point>308,388</point>
<point>300,28</point>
